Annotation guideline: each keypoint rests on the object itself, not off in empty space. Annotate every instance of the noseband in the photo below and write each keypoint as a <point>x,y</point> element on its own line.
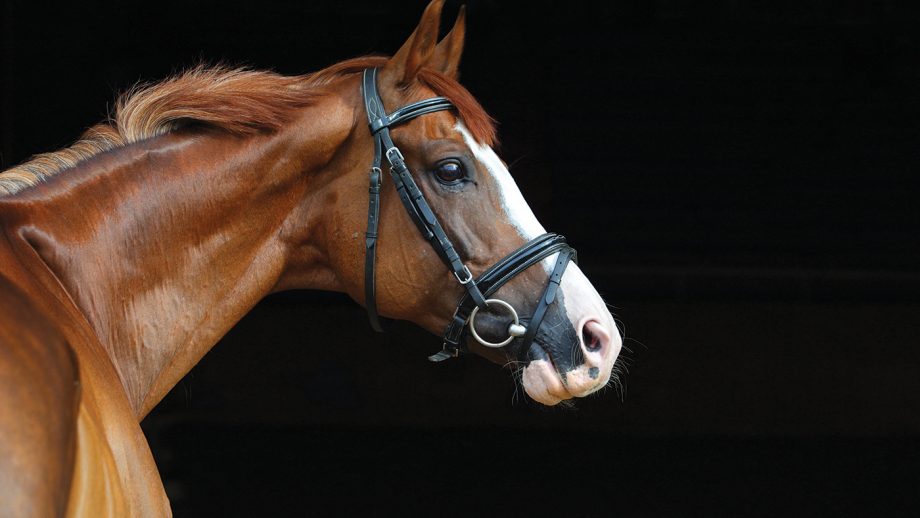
<point>477,290</point>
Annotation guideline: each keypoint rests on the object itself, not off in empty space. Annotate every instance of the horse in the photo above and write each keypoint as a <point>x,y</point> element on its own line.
<point>125,257</point>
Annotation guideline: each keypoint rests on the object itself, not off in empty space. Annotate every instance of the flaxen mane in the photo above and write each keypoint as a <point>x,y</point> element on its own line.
<point>235,100</point>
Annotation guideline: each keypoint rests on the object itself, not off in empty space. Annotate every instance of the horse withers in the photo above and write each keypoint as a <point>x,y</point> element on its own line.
<point>125,258</point>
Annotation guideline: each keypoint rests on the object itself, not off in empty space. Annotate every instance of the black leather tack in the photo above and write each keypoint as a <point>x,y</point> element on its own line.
<point>477,290</point>
<point>548,295</point>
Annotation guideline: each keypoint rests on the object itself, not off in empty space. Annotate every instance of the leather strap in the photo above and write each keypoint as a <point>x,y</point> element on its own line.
<point>410,111</point>
<point>373,216</point>
<point>415,203</point>
<point>410,195</point>
<point>370,249</point>
<point>497,275</point>
<point>549,296</point>
<point>494,278</point>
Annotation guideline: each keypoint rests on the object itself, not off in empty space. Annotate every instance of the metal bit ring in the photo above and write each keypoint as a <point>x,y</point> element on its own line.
<point>514,330</point>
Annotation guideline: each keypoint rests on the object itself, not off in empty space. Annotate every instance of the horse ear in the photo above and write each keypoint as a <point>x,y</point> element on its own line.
<point>420,45</point>
<point>446,57</point>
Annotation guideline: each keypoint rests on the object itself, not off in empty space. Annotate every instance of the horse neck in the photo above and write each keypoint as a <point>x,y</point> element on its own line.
<point>164,245</point>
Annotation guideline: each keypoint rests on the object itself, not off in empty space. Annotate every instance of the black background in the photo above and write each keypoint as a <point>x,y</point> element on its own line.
<point>738,179</point>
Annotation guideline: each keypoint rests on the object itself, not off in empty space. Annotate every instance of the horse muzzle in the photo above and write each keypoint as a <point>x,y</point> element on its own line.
<point>575,348</point>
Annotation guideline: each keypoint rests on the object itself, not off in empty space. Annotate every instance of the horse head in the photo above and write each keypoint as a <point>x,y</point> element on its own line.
<point>397,263</point>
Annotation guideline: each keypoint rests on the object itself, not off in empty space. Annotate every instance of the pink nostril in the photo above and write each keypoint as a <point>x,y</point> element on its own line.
<point>594,336</point>
<point>592,342</point>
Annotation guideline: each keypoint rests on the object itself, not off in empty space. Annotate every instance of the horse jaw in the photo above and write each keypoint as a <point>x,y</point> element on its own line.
<point>598,339</point>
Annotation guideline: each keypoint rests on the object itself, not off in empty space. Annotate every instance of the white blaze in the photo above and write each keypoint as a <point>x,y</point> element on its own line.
<point>519,213</point>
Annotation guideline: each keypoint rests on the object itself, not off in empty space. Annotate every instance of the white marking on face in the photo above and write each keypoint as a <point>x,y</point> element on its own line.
<point>516,208</point>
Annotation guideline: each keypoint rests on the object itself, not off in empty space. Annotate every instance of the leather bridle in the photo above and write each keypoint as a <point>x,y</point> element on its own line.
<point>477,290</point>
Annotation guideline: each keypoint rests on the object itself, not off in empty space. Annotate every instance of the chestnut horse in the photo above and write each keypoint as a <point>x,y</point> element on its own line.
<point>126,257</point>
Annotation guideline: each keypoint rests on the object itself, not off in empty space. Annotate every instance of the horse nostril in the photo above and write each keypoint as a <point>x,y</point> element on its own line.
<point>595,337</point>
<point>592,342</point>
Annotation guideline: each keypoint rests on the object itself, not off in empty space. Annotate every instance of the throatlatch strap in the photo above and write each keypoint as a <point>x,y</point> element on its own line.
<point>373,217</point>
<point>370,249</point>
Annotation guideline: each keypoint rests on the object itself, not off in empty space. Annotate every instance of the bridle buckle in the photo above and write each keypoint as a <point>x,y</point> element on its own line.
<point>399,156</point>
<point>469,276</point>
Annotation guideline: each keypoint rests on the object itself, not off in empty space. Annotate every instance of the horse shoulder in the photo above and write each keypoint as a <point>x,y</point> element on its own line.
<point>39,399</point>
<point>69,443</point>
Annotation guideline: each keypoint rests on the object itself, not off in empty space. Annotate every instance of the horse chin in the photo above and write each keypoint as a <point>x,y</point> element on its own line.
<point>543,384</point>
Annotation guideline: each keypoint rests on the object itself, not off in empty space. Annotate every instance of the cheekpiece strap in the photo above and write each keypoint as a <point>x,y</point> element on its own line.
<point>411,196</point>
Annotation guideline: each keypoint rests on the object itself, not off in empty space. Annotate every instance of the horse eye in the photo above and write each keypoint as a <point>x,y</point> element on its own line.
<point>449,172</point>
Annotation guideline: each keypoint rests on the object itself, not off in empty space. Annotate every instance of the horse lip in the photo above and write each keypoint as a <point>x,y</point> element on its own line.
<point>538,351</point>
